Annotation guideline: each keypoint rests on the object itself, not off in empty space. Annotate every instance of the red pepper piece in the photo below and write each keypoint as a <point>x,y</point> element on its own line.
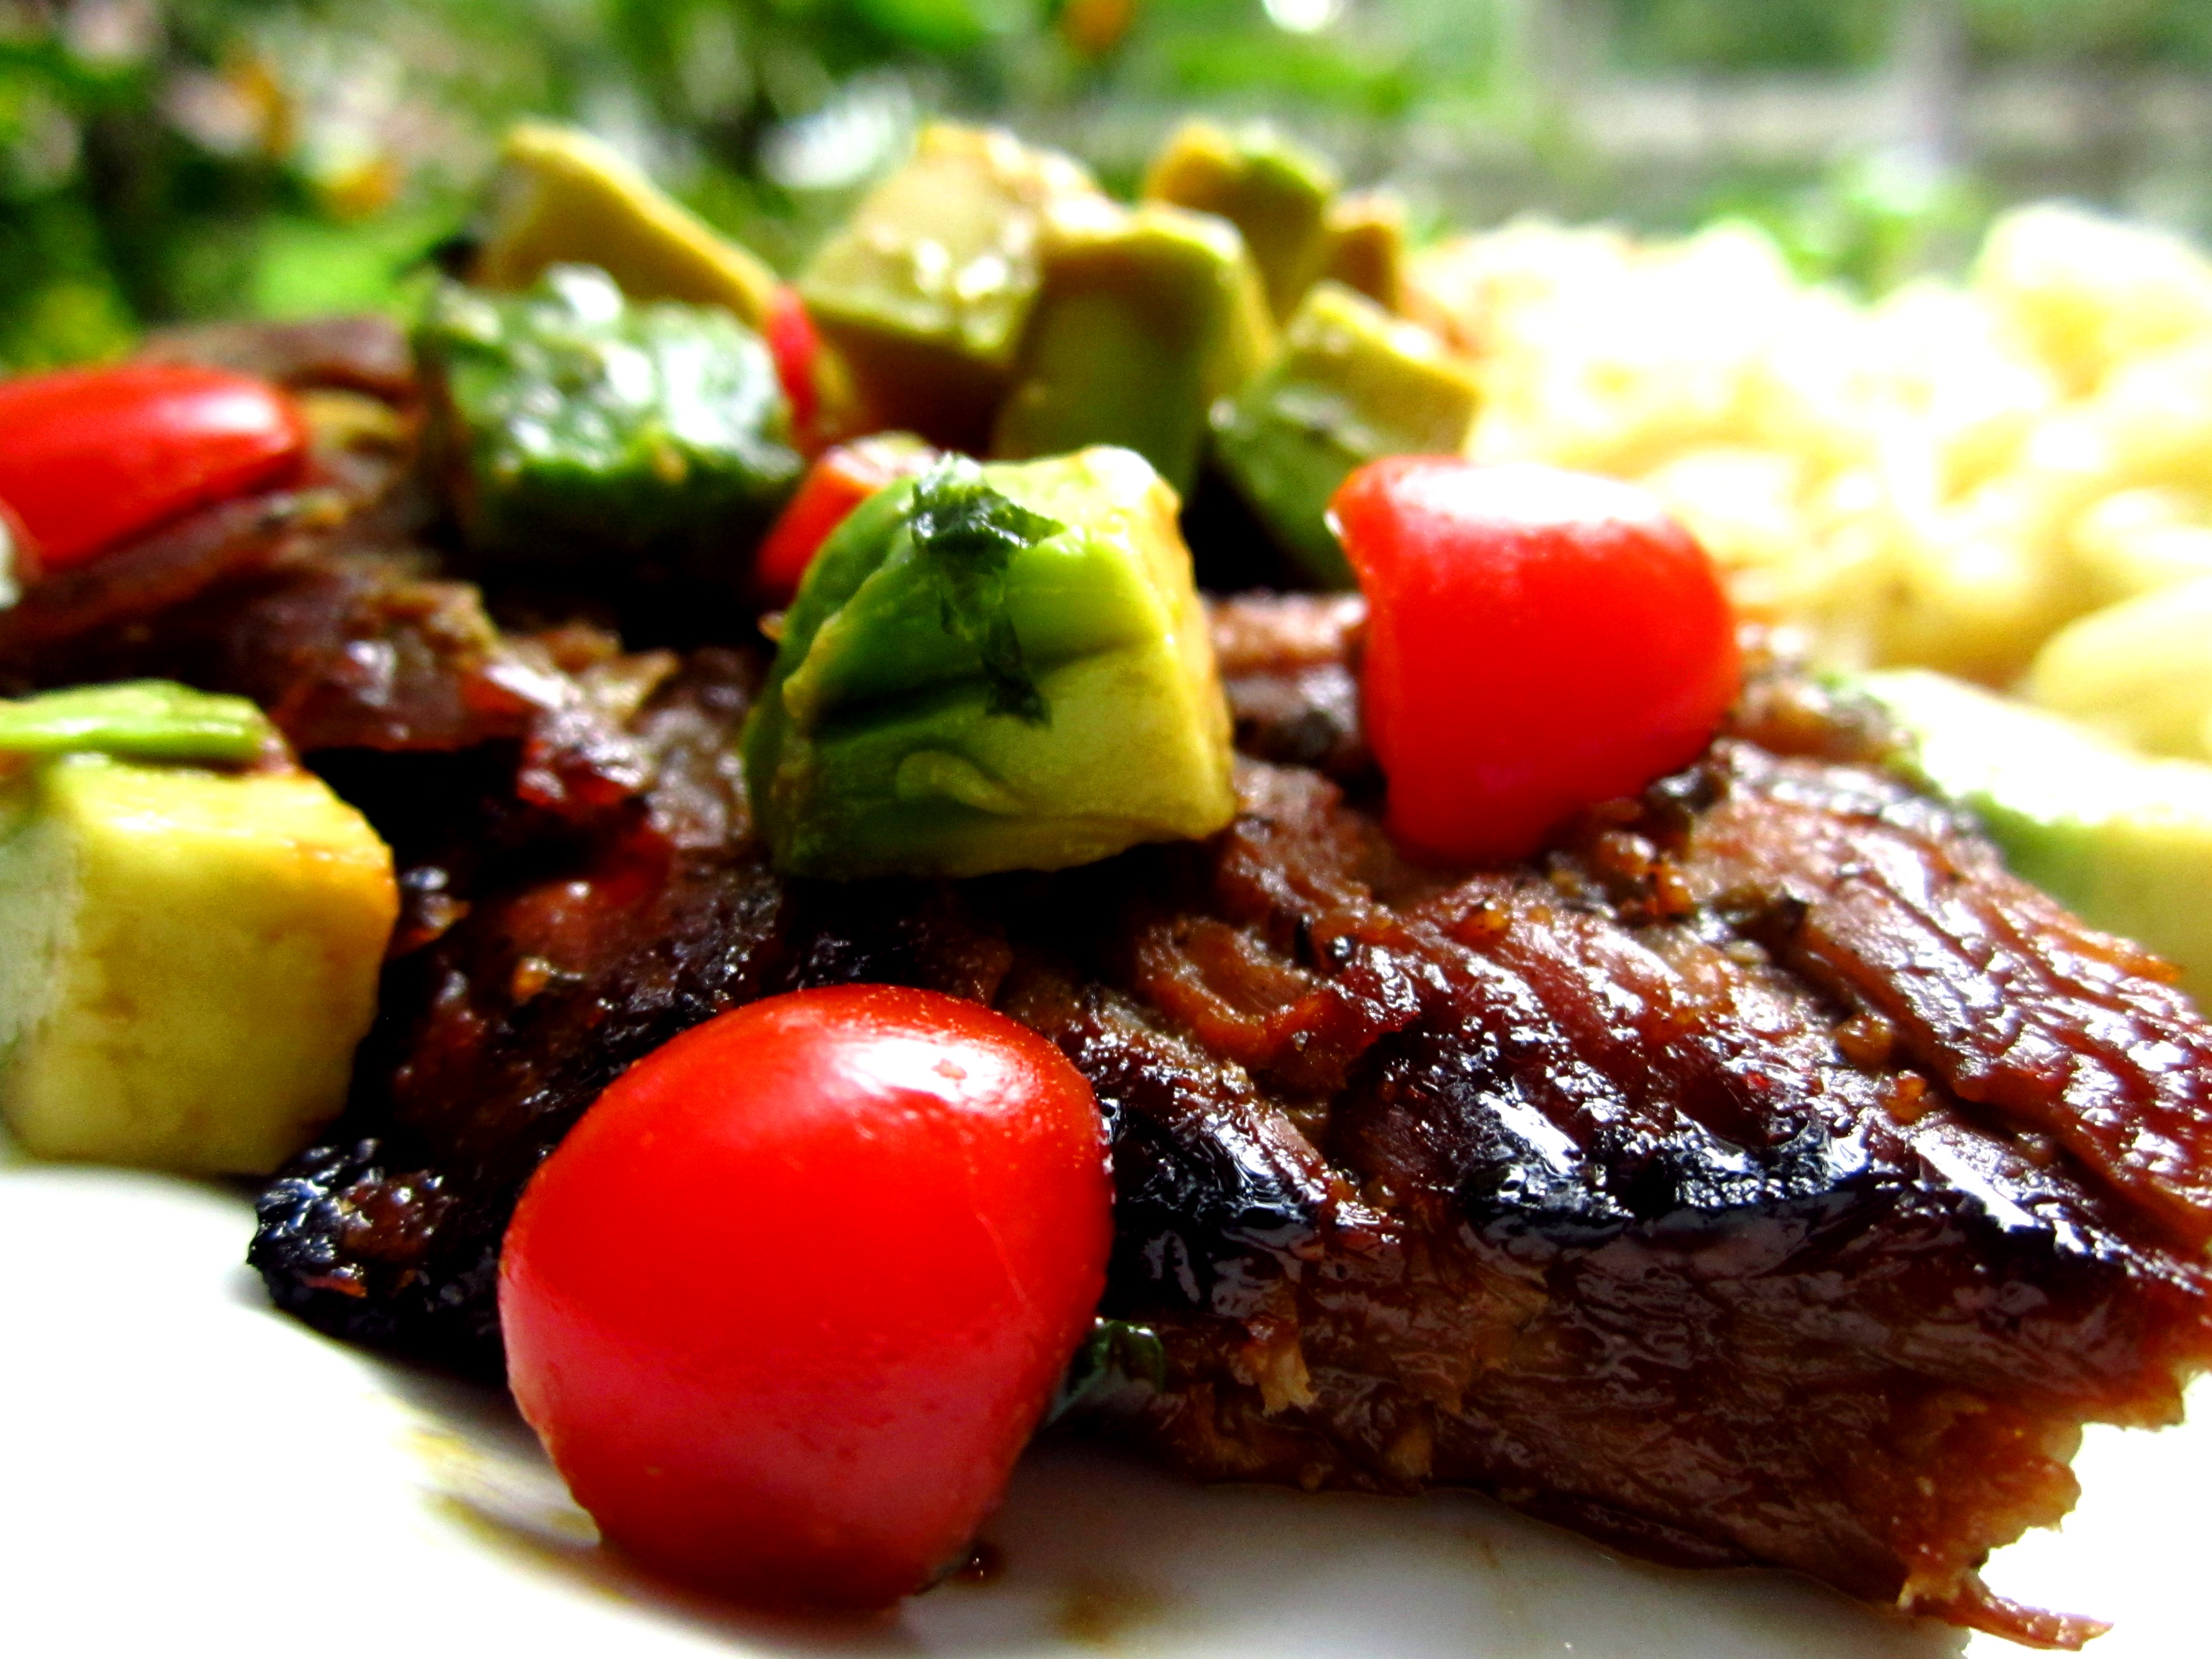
<point>89,457</point>
<point>839,482</point>
<point>797,349</point>
<point>1537,641</point>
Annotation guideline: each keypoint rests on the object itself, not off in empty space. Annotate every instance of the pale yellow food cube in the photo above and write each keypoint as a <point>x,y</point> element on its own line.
<point>187,960</point>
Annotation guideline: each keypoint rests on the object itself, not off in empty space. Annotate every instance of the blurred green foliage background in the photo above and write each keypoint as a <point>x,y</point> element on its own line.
<point>171,159</point>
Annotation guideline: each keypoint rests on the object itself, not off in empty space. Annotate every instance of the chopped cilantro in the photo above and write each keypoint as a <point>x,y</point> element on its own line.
<point>966,532</point>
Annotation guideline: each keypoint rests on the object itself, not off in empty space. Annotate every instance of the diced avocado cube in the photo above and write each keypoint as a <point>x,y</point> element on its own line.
<point>995,668</point>
<point>2122,839</point>
<point>1367,248</point>
<point>577,429</point>
<point>563,197</point>
<point>1351,384</point>
<point>187,959</point>
<point>1275,192</point>
<point>149,720</point>
<point>1146,318</point>
<point>927,291</point>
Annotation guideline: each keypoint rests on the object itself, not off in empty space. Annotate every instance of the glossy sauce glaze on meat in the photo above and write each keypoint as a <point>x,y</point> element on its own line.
<point>1761,1176</point>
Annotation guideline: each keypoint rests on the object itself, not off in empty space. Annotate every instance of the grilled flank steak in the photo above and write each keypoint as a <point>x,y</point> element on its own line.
<point>1761,1174</point>
<point>1764,1176</point>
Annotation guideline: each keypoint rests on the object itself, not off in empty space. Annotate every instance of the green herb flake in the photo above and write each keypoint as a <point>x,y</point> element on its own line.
<point>966,532</point>
<point>144,720</point>
<point>1115,1352</point>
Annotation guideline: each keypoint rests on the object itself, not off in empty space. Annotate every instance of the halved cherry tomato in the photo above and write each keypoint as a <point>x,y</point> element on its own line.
<point>836,484</point>
<point>787,1302</point>
<point>90,456</point>
<point>1537,641</point>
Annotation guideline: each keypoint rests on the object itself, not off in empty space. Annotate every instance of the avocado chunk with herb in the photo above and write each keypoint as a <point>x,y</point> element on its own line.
<point>1275,194</point>
<point>992,668</point>
<point>563,197</point>
<point>578,428</point>
<point>188,955</point>
<point>2122,839</point>
<point>1145,319</point>
<point>1351,384</point>
<point>927,290</point>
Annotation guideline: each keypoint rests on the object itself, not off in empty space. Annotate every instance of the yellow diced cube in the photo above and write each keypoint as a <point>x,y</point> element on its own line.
<point>188,959</point>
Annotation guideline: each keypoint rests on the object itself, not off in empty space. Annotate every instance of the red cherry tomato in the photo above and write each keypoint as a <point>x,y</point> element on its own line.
<point>1538,641</point>
<point>787,1302</point>
<point>844,478</point>
<point>90,456</point>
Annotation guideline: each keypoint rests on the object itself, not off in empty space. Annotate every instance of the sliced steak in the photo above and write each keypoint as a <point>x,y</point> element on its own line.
<point>1761,1176</point>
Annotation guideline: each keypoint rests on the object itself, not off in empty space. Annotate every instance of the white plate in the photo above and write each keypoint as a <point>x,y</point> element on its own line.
<point>183,1469</point>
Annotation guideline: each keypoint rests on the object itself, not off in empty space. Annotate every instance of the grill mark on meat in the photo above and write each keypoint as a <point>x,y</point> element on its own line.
<point>1216,1194</point>
<point>2000,993</point>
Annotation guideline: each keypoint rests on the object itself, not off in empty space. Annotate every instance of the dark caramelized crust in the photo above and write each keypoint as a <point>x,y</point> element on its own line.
<point>1290,665</point>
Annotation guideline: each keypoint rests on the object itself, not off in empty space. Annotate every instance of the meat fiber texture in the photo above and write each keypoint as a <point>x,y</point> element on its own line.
<point>1761,1174</point>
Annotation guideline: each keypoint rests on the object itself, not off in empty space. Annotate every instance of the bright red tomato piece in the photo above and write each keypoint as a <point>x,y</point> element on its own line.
<point>836,484</point>
<point>786,1303</point>
<point>90,456</point>
<point>1538,641</point>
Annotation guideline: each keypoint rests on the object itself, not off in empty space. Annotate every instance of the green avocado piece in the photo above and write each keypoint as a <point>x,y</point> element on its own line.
<point>1145,319</point>
<point>577,427</point>
<point>1351,384</point>
<point>927,291</point>
<point>563,197</point>
<point>994,668</point>
<point>2122,839</point>
<point>149,720</point>
<point>1275,194</point>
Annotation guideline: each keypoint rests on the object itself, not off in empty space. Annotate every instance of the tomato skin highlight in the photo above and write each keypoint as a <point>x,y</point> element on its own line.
<point>840,481</point>
<point>1538,641</point>
<point>788,1302</point>
<point>89,457</point>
